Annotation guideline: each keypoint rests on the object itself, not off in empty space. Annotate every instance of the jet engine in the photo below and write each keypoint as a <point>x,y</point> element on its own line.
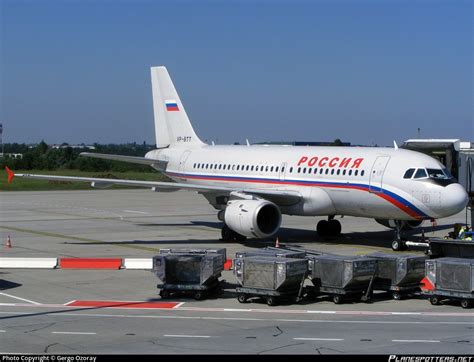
<point>253,218</point>
<point>406,224</point>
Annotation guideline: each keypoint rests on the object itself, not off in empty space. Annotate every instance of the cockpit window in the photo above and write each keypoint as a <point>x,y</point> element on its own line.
<point>421,173</point>
<point>437,174</point>
<point>409,173</point>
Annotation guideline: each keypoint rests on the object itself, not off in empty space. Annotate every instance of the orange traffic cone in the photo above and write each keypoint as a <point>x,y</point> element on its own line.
<point>277,243</point>
<point>9,242</point>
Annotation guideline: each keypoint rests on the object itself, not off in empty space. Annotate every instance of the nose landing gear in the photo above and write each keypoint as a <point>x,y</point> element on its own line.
<point>398,244</point>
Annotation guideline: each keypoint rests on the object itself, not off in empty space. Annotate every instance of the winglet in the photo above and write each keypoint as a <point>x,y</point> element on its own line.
<point>395,144</point>
<point>10,174</point>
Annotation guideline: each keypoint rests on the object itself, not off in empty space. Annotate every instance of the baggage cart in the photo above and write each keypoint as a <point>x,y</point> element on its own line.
<point>340,277</point>
<point>195,273</point>
<point>449,278</point>
<point>269,277</point>
<point>400,274</point>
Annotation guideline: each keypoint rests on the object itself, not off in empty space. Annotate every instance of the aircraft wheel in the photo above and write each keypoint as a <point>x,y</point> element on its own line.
<point>226,233</point>
<point>323,228</point>
<point>335,228</point>
<point>238,237</point>
<point>398,245</point>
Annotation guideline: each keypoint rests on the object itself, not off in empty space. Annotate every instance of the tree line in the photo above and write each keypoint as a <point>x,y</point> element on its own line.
<point>44,157</point>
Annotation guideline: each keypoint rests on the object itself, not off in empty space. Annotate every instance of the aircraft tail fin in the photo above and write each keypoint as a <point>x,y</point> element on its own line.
<point>172,125</point>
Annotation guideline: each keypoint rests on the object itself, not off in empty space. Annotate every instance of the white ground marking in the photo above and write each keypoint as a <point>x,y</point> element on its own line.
<point>415,340</point>
<point>74,333</point>
<point>23,299</point>
<point>80,314</point>
<point>184,336</point>
<point>178,305</point>
<point>2,331</point>
<point>317,339</point>
<point>136,212</point>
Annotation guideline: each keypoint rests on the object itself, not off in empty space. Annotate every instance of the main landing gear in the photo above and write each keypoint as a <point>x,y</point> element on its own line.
<point>230,235</point>
<point>330,227</point>
<point>398,244</point>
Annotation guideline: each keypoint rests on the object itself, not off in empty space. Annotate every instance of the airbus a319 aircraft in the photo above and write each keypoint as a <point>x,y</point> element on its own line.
<point>253,185</point>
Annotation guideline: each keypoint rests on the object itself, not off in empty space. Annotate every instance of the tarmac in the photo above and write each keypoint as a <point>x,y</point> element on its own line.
<point>42,311</point>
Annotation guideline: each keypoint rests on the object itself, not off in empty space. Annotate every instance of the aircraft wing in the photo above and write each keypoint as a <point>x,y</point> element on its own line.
<point>280,197</point>
<point>132,159</point>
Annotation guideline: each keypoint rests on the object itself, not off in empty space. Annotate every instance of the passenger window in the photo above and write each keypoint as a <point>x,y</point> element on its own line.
<point>327,171</point>
<point>291,169</point>
<point>356,172</point>
<point>321,171</point>
<point>247,168</point>
<point>251,168</point>
<point>304,169</point>
<point>299,169</point>
<point>344,172</point>
<point>350,172</point>
<point>271,169</point>
<point>332,172</point>
<point>266,169</point>
<point>315,171</point>
<point>421,173</point>
<point>362,173</point>
<point>276,169</point>
<point>338,172</point>
<point>409,173</point>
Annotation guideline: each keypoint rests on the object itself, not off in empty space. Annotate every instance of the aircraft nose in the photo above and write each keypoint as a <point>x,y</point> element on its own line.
<point>453,200</point>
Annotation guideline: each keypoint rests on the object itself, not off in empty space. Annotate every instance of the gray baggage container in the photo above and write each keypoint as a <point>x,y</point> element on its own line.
<point>339,275</point>
<point>400,273</point>
<point>196,272</point>
<point>451,278</point>
<point>269,277</point>
<point>219,251</point>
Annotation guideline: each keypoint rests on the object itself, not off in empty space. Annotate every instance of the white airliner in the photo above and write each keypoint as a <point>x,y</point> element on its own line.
<point>253,185</point>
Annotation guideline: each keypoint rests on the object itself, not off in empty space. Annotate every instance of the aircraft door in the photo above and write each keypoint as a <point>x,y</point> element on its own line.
<point>182,160</point>
<point>376,174</point>
<point>282,171</point>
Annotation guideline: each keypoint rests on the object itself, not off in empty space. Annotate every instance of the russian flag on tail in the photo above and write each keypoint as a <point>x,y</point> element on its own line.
<point>171,105</point>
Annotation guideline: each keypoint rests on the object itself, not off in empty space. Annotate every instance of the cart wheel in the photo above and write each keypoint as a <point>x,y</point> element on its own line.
<point>198,295</point>
<point>465,303</point>
<point>398,245</point>
<point>164,294</point>
<point>434,300</point>
<point>242,298</point>
<point>397,295</point>
<point>271,301</point>
<point>337,299</point>
<point>311,294</point>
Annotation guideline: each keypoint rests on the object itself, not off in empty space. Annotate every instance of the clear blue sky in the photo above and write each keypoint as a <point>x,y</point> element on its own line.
<point>367,72</point>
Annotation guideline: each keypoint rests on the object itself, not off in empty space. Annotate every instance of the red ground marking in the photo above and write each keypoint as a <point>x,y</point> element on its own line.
<point>122,304</point>
<point>89,263</point>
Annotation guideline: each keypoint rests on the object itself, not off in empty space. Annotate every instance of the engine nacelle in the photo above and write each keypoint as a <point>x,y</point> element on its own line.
<point>253,218</point>
<point>406,224</point>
